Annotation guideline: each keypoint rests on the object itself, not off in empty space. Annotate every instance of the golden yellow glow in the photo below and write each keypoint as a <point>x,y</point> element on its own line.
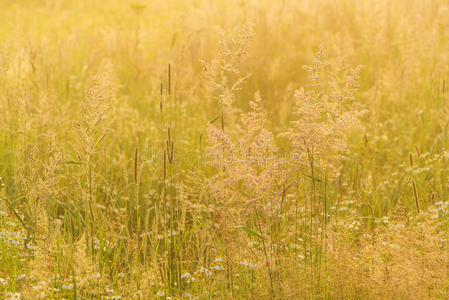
<point>224,149</point>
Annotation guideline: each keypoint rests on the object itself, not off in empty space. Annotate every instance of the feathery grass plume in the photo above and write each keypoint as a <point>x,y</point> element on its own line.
<point>325,113</point>
<point>251,186</point>
<point>223,74</point>
<point>92,129</point>
<point>37,181</point>
<point>99,99</point>
<point>254,171</point>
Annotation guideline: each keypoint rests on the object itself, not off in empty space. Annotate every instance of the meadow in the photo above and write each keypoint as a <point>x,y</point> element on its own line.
<point>224,149</point>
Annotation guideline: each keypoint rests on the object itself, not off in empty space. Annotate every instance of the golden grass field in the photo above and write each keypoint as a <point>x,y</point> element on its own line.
<point>224,149</point>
